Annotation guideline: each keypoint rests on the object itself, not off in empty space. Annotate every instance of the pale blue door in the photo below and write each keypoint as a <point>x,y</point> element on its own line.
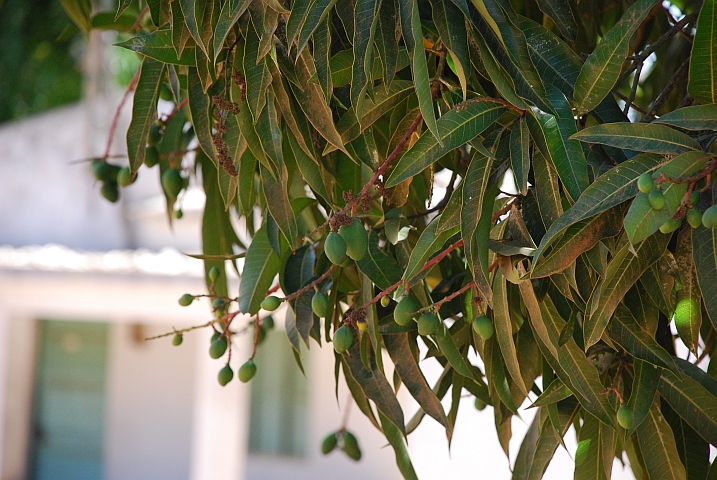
<point>69,401</point>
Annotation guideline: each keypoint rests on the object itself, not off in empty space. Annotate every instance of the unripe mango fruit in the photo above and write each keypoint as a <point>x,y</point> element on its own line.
<point>356,239</point>
<point>624,417</point>
<point>645,183</point>
<point>351,446</point>
<point>694,217</point>
<point>225,375</point>
<point>172,182</point>
<point>110,191</point>
<point>186,299</point>
<point>385,300</point>
<point>428,323</point>
<point>671,225</point>
<point>479,404</point>
<point>217,348</point>
<point>329,443</point>
<point>247,371</point>
<point>405,310</point>
<point>343,338</point>
<point>709,218</point>
<point>335,248</point>
<point>320,304</point>
<point>151,157</point>
<point>177,339</point>
<point>483,327</point>
<point>271,303</point>
<point>124,177</point>
<point>213,274</point>
<point>155,135</point>
<point>656,199</point>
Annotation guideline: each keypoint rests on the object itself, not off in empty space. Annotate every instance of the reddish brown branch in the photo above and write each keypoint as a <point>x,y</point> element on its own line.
<point>113,126</point>
<point>311,285</point>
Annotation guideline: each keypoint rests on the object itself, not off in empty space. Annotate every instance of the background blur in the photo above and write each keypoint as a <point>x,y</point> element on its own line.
<point>84,282</point>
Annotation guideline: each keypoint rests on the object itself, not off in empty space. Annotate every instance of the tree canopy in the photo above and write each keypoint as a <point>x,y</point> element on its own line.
<point>322,125</point>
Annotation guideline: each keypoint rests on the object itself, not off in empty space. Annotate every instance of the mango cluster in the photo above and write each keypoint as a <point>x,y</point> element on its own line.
<point>694,216</point>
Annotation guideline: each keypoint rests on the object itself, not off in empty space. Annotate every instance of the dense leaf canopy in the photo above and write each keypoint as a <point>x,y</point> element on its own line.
<point>324,125</point>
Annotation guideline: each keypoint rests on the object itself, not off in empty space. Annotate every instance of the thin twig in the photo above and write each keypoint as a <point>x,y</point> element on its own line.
<point>136,26</point>
<point>676,78</point>
<point>311,285</point>
<point>113,126</point>
<point>176,109</point>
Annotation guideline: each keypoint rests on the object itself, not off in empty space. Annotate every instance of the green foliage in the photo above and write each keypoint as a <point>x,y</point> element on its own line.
<point>334,121</point>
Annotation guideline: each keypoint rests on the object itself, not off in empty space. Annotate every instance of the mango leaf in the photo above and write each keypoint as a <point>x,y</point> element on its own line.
<point>696,117</point>
<point>317,13</point>
<point>413,36</point>
<point>456,127</point>
<point>626,331</point>
<point>562,15</point>
<point>218,236</point>
<point>601,70</point>
<point>350,127</point>
<point>689,299</point>
<point>298,271</point>
<point>541,441</point>
<point>383,270</point>
<point>229,15</point>
<point>429,243</point>
<point>180,33</point>
<point>310,169</point>
<point>578,238</point>
<point>658,447</point>
<point>500,78</point>
<point>658,286</point>
<point>610,189</point>
<point>704,252</point>
<point>359,396</point>
<point>200,107</point>
<point>520,155</point>
<point>504,330</point>
<point>702,85</point>
<point>547,189</point>
<point>80,12</point>
<point>645,379</point>
<point>452,29</point>
<point>144,111</point>
<point>596,450</point>
<point>365,21</point>
<point>535,315</point>
<point>475,219</point>
<point>553,393</point>
<point>567,155</point>
<point>260,268</point>
<point>386,43</point>
<point>342,62</point>
<point>623,271</point>
<point>693,450</point>
<point>394,437</point>
<point>412,377</point>
<point>573,368</point>
<point>193,11</point>
<point>556,62</point>
<point>322,57</point>
<point>374,385</point>
<point>692,401</point>
<point>277,201</point>
<point>642,220</point>
<point>449,349</point>
<point>257,74</point>
<point>643,137</point>
<point>297,17</point>
<point>311,101</point>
